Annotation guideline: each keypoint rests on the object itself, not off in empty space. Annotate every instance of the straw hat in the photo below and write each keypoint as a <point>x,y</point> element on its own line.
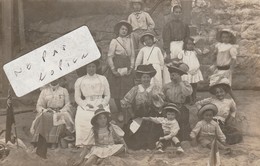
<point>171,107</point>
<point>120,24</point>
<point>232,35</point>
<point>224,83</point>
<point>98,112</point>
<point>180,68</point>
<point>146,69</point>
<point>147,33</point>
<point>206,107</point>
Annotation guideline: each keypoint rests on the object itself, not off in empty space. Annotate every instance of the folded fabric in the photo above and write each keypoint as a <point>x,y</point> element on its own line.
<point>134,126</point>
<point>122,71</point>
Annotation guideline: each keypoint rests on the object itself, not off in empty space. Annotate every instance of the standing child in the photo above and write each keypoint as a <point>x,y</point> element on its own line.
<point>225,56</point>
<point>104,140</point>
<point>170,127</point>
<point>141,21</point>
<point>207,129</point>
<point>151,54</point>
<point>189,56</point>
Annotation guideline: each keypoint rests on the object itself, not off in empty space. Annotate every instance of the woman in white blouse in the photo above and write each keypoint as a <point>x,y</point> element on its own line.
<point>91,92</point>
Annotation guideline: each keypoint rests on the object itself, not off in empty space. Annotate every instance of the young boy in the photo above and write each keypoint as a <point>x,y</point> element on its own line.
<point>170,128</point>
<point>207,129</point>
<point>141,21</point>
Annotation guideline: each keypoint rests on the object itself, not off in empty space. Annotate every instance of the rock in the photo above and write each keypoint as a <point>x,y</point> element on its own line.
<point>252,32</point>
<point>248,47</point>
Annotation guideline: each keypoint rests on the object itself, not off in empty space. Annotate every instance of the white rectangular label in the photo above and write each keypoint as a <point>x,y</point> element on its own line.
<point>51,61</point>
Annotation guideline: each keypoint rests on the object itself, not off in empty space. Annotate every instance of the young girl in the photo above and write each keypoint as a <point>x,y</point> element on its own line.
<point>104,140</point>
<point>189,56</point>
<point>226,110</point>
<point>151,54</point>
<point>225,55</point>
<point>141,21</point>
<point>207,129</point>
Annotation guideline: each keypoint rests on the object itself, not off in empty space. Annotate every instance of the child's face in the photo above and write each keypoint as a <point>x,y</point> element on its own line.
<point>208,115</point>
<point>145,79</point>
<point>137,6</point>
<point>123,31</point>
<point>148,40</point>
<point>190,45</point>
<point>102,120</point>
<point>225,38</point>
<point>175,77</point>
<point>177,13</point>
<point>170,115</point>
<point>91,69</point>
<point>220,93</point>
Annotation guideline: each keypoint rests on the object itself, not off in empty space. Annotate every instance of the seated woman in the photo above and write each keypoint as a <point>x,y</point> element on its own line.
<point>140,98</point>
<point>53,114</point>
<point>91,92</point>
<point>226,110</point>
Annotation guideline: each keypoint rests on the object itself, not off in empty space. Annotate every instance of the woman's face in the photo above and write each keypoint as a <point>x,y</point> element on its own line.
<point>91,69</point>
<point>102,120</point>
<point>123,31</point>
<point>137,6</point>
<point>220,93</point>
<point>146,79</point>
<point>175,77</point>
<point>177,13</point>
<point>208,115</point>
<point>148,40</point>
<point>225,38</point>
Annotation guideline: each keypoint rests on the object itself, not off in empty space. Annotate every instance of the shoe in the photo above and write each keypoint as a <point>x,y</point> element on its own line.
<point>180,150</point>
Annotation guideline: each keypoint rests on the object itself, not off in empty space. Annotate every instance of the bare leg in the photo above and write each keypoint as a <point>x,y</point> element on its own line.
<point>91,160</point>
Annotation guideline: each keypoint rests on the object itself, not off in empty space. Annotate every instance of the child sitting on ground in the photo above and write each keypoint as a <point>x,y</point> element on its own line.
<point>207,129</point>
<point>170,128</point>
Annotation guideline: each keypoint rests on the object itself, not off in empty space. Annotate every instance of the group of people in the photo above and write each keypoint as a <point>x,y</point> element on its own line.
<point>150,87</point>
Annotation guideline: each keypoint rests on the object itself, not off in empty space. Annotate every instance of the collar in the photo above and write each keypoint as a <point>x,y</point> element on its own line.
<point>136,13</point>
<point>88,76</point>
<point>54,87</point>
<point>141,88</point>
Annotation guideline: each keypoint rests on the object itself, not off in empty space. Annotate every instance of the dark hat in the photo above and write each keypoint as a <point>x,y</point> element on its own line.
<point>171,107</point>
<point>147,33</point>
<point>120,24</point>
<point>232,35</point>
<point>146,69</point>
<point>98,112</point>
<point>224,83</point>
<point>180,68</point>
<point>206,107</point>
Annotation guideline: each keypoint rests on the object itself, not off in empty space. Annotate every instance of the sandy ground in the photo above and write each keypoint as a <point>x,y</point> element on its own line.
<point>246,153</point>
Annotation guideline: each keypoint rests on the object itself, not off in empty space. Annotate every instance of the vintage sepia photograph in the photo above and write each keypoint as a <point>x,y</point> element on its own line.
<point>129,83</point>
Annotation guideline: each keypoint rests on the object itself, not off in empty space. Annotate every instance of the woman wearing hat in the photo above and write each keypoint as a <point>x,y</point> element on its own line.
<point>174,32</point>
<point>91,92</point>
<point>226,116</point>
<point>151,54</point>
<point>121,57</point>
<point>176,92</point>
<point>140,98</point>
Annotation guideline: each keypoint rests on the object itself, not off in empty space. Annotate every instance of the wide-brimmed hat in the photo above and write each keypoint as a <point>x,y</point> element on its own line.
<point>224,83</point>
<point>171,107</point>
<point>180,68</point>
<point>147,33</point>
<point>232,35</point>
<point>98,112</point>
<point>206,107</point>
<point>120,24</point>
<point>146,69</point>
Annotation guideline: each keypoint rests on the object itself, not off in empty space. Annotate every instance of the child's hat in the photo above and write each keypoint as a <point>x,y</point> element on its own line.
<point>120,24</point>
<point>180,68</point>
<point>232,35</point>
<point>217,81</point>
<point>206,107</point>
<point>146,69</point>
<point>98,112</point>
<point>147,33</point>
<point>171,107</point>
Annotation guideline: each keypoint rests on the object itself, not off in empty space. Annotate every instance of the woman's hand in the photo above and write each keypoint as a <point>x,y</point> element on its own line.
<point>115,73</point>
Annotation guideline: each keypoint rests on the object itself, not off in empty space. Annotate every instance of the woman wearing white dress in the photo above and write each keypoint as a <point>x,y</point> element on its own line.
<point>91,92</point>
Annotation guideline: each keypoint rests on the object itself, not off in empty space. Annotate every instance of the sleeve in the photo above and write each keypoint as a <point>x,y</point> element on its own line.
<point>41,103</point>
<point>166,36</point>
<point>129,20</point>
<point>233,108</point>
<point>118,130</point>
<point>220,134</point>
<point>111,53</point>
<point>180,55</point>
<point>118,134</point>
<point>200,103</point>
<point>234,52</point>
<point>77,93</point>
<point>174,130</point>
<point>106,91</point>
<point>150,22</point>
<point>90,140</point>
<point>158,120</point>
<point>195,131</point>
<point>67,105</point>
<point>130,96</point>
<point>186,88</point>
<point>161,59</point>
<point>139,58</point>
<point>132,58</point>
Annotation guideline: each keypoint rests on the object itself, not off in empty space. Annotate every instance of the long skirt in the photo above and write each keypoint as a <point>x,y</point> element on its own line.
<point>43,125</point>
<point>105,150</point>
<point>119,86</point>
<point>175,48</point>
<point>183,120</point>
